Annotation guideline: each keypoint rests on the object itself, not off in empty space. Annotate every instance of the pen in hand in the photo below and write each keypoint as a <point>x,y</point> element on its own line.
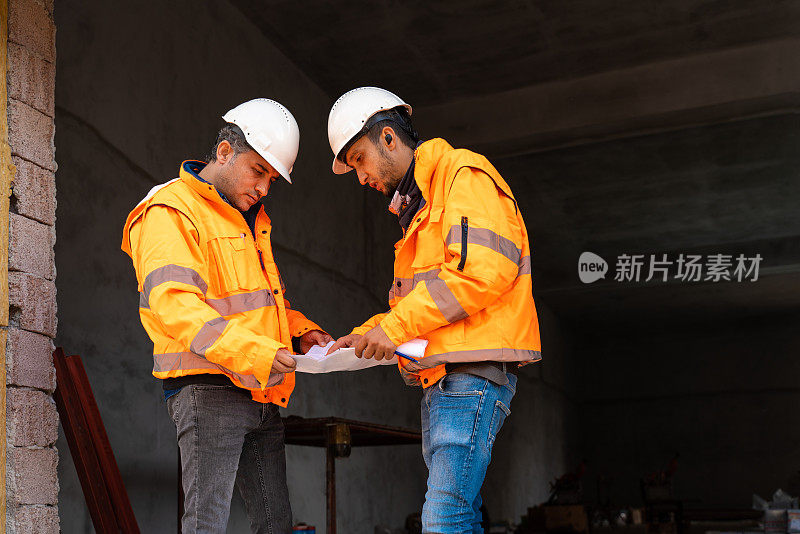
<point>406,357</point>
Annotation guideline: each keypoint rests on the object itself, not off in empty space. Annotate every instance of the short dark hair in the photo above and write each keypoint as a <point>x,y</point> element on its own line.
<point>400,121</point>
<point>398,118</point>
<point>233,135</point>
<point>403,136</point>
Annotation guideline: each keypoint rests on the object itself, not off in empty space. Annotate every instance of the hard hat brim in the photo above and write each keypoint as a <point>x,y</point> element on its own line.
<point>287,131</point>
<point>339,167</point>
<point>273,161</point>
<point>343,131</point>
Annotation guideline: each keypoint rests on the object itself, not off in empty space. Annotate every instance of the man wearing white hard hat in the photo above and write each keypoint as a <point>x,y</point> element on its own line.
<point>462,282</point>
<point>212,301</point>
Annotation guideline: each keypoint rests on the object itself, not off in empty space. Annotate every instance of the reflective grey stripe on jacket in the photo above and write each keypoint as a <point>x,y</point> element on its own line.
<point>185,361</point>
<point>231,305</point>
<point>242,302</point>
<point>170,273</point>
<point>486,238</point>
<point>480,355</point>
<point>403,286</point>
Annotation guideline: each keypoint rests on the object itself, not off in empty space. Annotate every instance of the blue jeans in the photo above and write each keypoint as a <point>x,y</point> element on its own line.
<point>228,439</point>
<point>461,416</point>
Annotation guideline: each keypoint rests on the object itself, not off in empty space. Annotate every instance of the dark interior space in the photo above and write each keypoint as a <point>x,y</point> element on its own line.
<point>663,130</point>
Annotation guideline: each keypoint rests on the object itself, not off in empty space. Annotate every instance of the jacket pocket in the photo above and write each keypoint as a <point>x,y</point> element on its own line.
<point>231,267</point>
<point>429,249</point>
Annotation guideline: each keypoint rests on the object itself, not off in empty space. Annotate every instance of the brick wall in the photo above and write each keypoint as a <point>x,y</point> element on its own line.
<point>32,420</point>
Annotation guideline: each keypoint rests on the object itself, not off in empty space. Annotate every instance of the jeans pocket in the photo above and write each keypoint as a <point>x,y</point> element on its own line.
<point>269,412</point>
<point>173,406</point>
<point>512,383</point>
<point>461,384</point>
<point>501,411</point>
<point>455,409</point>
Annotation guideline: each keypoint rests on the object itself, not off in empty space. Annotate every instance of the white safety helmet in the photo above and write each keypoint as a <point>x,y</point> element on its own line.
<point>271,130</point>
<point>349,115</point>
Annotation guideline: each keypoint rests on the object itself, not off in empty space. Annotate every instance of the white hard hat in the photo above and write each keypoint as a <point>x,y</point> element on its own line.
<point>271,130</point>
<point>349,116</point>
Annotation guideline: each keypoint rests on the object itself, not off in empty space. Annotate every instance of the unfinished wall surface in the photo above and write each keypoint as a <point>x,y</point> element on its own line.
<point>133,100</point>
<point>141,89</point>
<point>539,441</point>
<point>31,417</point>
<point>720,394</point>
<point>706,370</point>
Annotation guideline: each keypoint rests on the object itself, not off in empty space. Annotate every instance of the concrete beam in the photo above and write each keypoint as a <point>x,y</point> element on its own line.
<point>756,80</point>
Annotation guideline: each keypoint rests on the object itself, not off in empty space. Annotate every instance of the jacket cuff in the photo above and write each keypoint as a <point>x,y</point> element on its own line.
<point>394,330</point>
<point>360,330</point>
<point>306,326</point>
<point>263,364</point>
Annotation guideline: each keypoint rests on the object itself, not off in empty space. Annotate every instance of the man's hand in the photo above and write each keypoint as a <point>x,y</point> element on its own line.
<point>313,337</point>
<point>283,362</point>
<point>375,344</point>
<point>345,342</point>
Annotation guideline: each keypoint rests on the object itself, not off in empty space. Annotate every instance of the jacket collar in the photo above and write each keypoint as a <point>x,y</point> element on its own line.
<point>426,157</point>
<point>188,173</point>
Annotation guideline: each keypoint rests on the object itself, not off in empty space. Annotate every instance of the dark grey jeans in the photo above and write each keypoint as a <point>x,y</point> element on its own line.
<point>226,438</point>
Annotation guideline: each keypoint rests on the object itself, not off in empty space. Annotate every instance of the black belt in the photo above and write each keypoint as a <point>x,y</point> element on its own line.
<point>490,370</point>
<point>189,380</point>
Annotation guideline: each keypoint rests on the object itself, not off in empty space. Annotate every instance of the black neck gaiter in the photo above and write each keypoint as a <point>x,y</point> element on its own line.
<point>407,199</point>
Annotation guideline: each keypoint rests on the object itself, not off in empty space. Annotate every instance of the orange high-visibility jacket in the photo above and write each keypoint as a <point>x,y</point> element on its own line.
<point>462,271</point>
<point>211,297</point>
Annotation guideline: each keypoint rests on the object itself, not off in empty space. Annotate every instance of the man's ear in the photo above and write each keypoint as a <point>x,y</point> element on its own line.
<point>224,152</point>
<point>389,138</point>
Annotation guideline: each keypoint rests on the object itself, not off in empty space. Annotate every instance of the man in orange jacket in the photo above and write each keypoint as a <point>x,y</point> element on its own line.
<point>462,281</point>
<point>212,301</point>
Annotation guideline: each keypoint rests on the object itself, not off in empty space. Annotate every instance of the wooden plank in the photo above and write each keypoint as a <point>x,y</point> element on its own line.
<point>313,432</point>
<point>7,170</point>
<point>83,453</point>
<point>102,446</point>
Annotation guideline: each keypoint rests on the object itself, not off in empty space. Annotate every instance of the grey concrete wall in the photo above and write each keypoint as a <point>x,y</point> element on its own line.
<point>139,90</point>
<point>539,441</point>
<point>721,394</point>
<point>705,370</point>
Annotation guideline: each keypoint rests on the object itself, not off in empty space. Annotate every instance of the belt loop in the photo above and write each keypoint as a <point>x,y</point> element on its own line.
<point>504,367</point>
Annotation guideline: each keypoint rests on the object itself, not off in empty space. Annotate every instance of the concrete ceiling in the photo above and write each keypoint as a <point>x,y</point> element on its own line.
<point>632,126</point>
<point>731,188</point>
<point>431,52</point>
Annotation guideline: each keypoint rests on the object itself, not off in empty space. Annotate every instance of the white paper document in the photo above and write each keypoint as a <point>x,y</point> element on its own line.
<point>316,360</point>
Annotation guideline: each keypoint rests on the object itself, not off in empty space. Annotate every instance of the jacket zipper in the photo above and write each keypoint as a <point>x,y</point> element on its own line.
<point>464,233</point>
<point>255,242</point>
<point>260,259</point>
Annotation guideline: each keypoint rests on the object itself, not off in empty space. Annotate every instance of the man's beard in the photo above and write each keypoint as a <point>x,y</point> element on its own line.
<point>387,174</point>
<point>226,183</point>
